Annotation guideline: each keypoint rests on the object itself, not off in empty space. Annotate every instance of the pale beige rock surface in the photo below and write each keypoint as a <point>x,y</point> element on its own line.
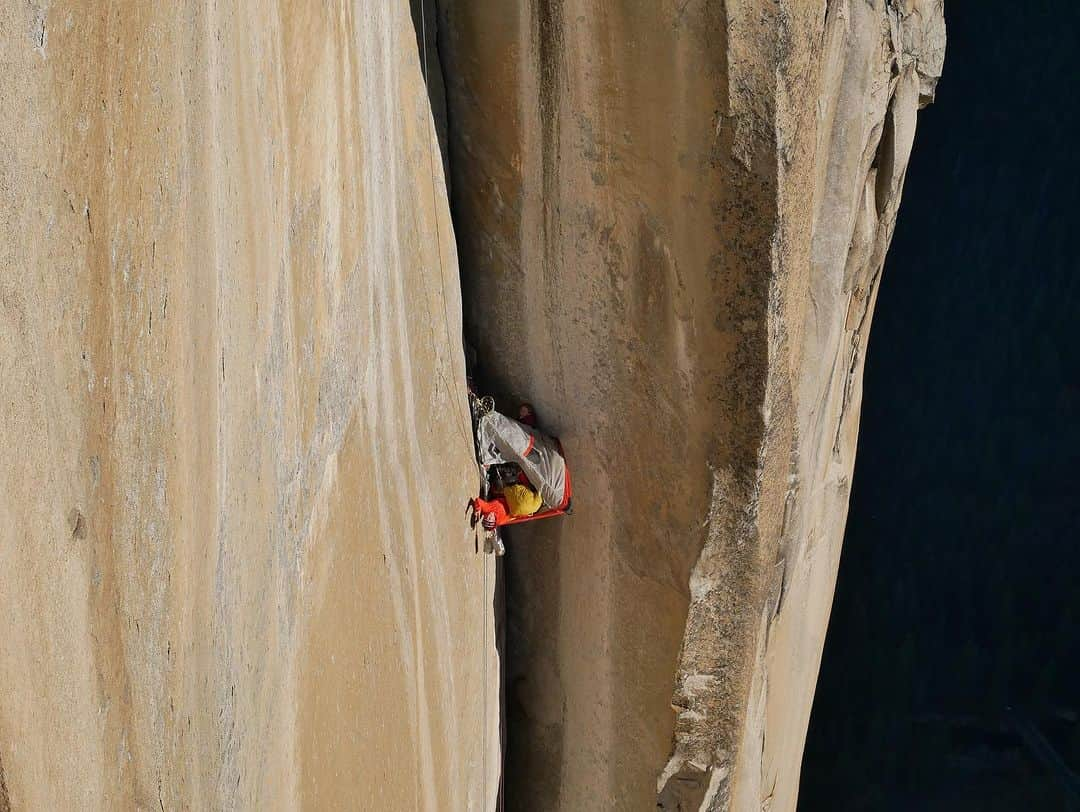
<point>234,567</point>
<point>672,218</point>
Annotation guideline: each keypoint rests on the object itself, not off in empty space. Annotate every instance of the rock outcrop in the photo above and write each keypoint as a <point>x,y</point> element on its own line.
<point>672,219</point>
<point>234,567</point>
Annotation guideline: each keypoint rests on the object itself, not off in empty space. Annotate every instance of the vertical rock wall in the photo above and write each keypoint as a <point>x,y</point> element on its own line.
<point>672,217</point>
<point>850,84</point>
<point>615,216</point>
<point>234,567</point>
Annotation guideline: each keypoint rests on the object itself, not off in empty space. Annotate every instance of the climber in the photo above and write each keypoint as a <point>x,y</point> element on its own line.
<point>526,415</point>
<point>512,501</point>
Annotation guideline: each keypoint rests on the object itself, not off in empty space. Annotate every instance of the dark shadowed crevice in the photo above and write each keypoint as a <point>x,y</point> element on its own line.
<point>425,17</point>
<point>884,162</point>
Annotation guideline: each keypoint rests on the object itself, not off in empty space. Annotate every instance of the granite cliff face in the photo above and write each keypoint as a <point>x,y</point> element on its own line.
<point>234,568</point>
<point>672,218</point>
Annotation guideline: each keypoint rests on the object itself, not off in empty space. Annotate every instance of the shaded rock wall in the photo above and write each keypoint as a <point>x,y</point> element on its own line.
<point>671,219</point>
<point>235,567</point>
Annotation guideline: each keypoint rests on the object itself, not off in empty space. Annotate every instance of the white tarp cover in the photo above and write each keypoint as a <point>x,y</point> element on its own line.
<point>506,440</point>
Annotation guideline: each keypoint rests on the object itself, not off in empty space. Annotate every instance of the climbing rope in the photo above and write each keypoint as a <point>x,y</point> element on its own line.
<point>485,402</point>
<point>435,213</point>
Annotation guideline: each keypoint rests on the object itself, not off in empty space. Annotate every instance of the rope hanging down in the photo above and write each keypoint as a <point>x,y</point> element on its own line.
<point>483,558</point>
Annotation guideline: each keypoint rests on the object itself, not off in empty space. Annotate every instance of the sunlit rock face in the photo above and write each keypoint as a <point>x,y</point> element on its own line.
<point>672,219</point>
<point>234,567</point>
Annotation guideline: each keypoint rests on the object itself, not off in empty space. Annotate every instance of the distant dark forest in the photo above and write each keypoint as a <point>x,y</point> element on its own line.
<point>951,673</point>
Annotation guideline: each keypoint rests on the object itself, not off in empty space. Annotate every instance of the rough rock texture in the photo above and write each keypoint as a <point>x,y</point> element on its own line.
<point>672,217</point>
<point>234,567</point>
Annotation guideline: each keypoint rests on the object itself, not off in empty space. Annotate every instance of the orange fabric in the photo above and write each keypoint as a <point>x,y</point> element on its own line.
<point>497,506</point>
